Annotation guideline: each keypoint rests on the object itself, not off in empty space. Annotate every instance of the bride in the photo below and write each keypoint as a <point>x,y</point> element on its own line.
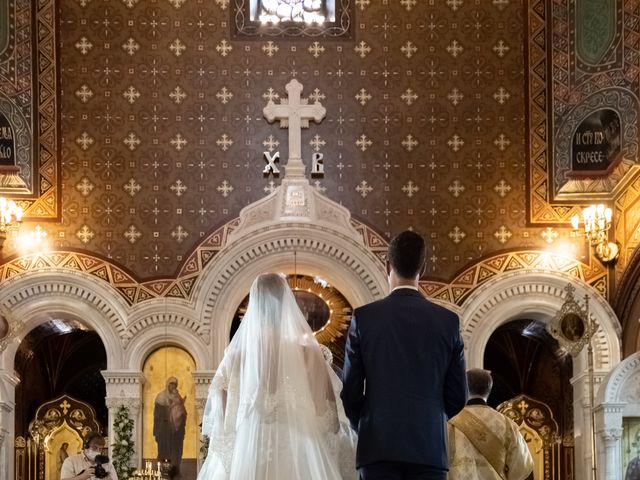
<point>271,413</point>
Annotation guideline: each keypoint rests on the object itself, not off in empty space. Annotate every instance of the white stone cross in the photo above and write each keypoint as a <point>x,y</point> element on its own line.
<point>294,113</point>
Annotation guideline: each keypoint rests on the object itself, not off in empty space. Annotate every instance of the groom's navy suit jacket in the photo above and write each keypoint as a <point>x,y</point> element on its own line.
<point>404,377</point>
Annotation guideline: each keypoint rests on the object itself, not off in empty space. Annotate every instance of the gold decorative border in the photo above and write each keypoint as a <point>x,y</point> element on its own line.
<point>181,287</point>
<point>539,126</point>
<point>459,289</point>
<point>553,91</point>
<point>627,227</point>
<point>43,200</point>
<point>47,205</point>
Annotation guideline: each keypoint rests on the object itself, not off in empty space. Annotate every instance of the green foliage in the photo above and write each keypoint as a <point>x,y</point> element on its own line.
<point>123,446</point>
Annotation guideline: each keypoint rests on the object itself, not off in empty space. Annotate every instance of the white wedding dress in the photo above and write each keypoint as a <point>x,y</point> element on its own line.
<point>272,413</point>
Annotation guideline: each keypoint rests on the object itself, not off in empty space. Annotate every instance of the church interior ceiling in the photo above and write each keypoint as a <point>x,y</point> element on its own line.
<point>440,116</point>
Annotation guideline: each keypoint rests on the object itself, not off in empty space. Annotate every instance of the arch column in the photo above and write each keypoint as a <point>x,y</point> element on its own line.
<point>612,452</point>
<point>619,397</point>
<point>8,382</point>
<point>125,388</point>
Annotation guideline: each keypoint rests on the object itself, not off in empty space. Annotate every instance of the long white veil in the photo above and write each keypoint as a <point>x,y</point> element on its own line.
<point>271,411</point>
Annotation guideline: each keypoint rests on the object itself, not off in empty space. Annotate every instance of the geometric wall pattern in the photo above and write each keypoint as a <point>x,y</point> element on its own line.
<point>440,117</point>
<point>163,131</point>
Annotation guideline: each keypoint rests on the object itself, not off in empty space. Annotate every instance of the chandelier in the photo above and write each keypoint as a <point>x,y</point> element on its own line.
<point>596,221</point>
<point>10,218</point>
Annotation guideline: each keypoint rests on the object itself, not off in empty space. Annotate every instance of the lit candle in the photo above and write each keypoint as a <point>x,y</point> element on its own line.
<point>575,222</point>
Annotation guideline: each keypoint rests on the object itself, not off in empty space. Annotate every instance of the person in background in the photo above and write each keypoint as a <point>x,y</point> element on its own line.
<point>483,443</point>
<point>83,466</point>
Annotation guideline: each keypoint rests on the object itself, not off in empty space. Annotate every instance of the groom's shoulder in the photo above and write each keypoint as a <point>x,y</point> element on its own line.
<point>424,305</point>
<point>371,307</point>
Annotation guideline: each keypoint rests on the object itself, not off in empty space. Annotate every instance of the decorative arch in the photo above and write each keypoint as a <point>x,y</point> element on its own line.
<point>36,298</point>
<point>499,301</point>
<point>627,302</point>
<point>342,261</point>
<point>622,384</point>
<point>165,334</point>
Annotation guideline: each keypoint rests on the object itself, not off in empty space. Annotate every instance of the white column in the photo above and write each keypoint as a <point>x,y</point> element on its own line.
<point>125,388</point>
<point>609,428</point>
<point>202,380</point>
<point>611,440</point>
<point>581,426</point>
<point>8,382</point>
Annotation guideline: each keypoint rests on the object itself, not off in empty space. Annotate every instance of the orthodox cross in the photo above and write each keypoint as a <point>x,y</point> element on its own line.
<point>294,113</point>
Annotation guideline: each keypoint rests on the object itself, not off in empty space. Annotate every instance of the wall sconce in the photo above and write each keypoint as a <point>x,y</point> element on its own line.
<point>10,218</point>
<point>597,222</point>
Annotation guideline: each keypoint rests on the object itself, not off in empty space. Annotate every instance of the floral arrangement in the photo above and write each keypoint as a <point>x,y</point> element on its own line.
<point>123,443</point>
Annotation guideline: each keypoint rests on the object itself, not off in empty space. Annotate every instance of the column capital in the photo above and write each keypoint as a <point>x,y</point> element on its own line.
<point>122,377</point>
<point>611,435</point>
<point>131,403</point>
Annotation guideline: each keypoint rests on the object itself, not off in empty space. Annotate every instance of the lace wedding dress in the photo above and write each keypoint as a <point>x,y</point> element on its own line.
<point>271,413</point>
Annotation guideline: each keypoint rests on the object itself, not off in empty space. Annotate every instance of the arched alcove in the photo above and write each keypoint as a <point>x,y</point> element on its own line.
<point>66,357</point>
<point>539,295</point>
<point>530,371</point>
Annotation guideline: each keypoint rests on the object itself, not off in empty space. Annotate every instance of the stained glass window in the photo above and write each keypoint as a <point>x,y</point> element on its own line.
<point>292,18</point>
<point>308,11</point>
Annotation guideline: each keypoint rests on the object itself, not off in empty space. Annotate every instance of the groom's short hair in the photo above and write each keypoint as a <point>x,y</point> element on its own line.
<point>407,252</point>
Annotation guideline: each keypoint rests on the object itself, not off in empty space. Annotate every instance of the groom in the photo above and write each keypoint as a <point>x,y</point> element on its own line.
<point>404,374</point>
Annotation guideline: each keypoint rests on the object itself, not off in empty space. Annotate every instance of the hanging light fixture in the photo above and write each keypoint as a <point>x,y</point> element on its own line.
<point>10,218</point>
<point>596,221</point>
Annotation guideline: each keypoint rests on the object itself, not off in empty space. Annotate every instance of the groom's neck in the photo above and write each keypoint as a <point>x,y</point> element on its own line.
<point>396,281</point>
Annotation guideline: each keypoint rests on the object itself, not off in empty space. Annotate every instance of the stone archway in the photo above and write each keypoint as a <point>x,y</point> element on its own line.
<point>270,231</point>
<point>501,300</point>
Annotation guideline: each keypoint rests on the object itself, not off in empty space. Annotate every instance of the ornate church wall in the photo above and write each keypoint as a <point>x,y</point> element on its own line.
<point>200,324</point>
<point>149,139</point>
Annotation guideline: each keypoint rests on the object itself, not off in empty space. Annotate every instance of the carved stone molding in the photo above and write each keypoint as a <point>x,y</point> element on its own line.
<point>621,384</point>
<point>133,404</point>
<point>202,380</point>
<point>182,321</point>
<point>121,386</point>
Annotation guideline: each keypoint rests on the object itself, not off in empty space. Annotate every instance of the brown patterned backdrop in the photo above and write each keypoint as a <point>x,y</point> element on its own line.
<point>431,124</point>
<point>163,130</point>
